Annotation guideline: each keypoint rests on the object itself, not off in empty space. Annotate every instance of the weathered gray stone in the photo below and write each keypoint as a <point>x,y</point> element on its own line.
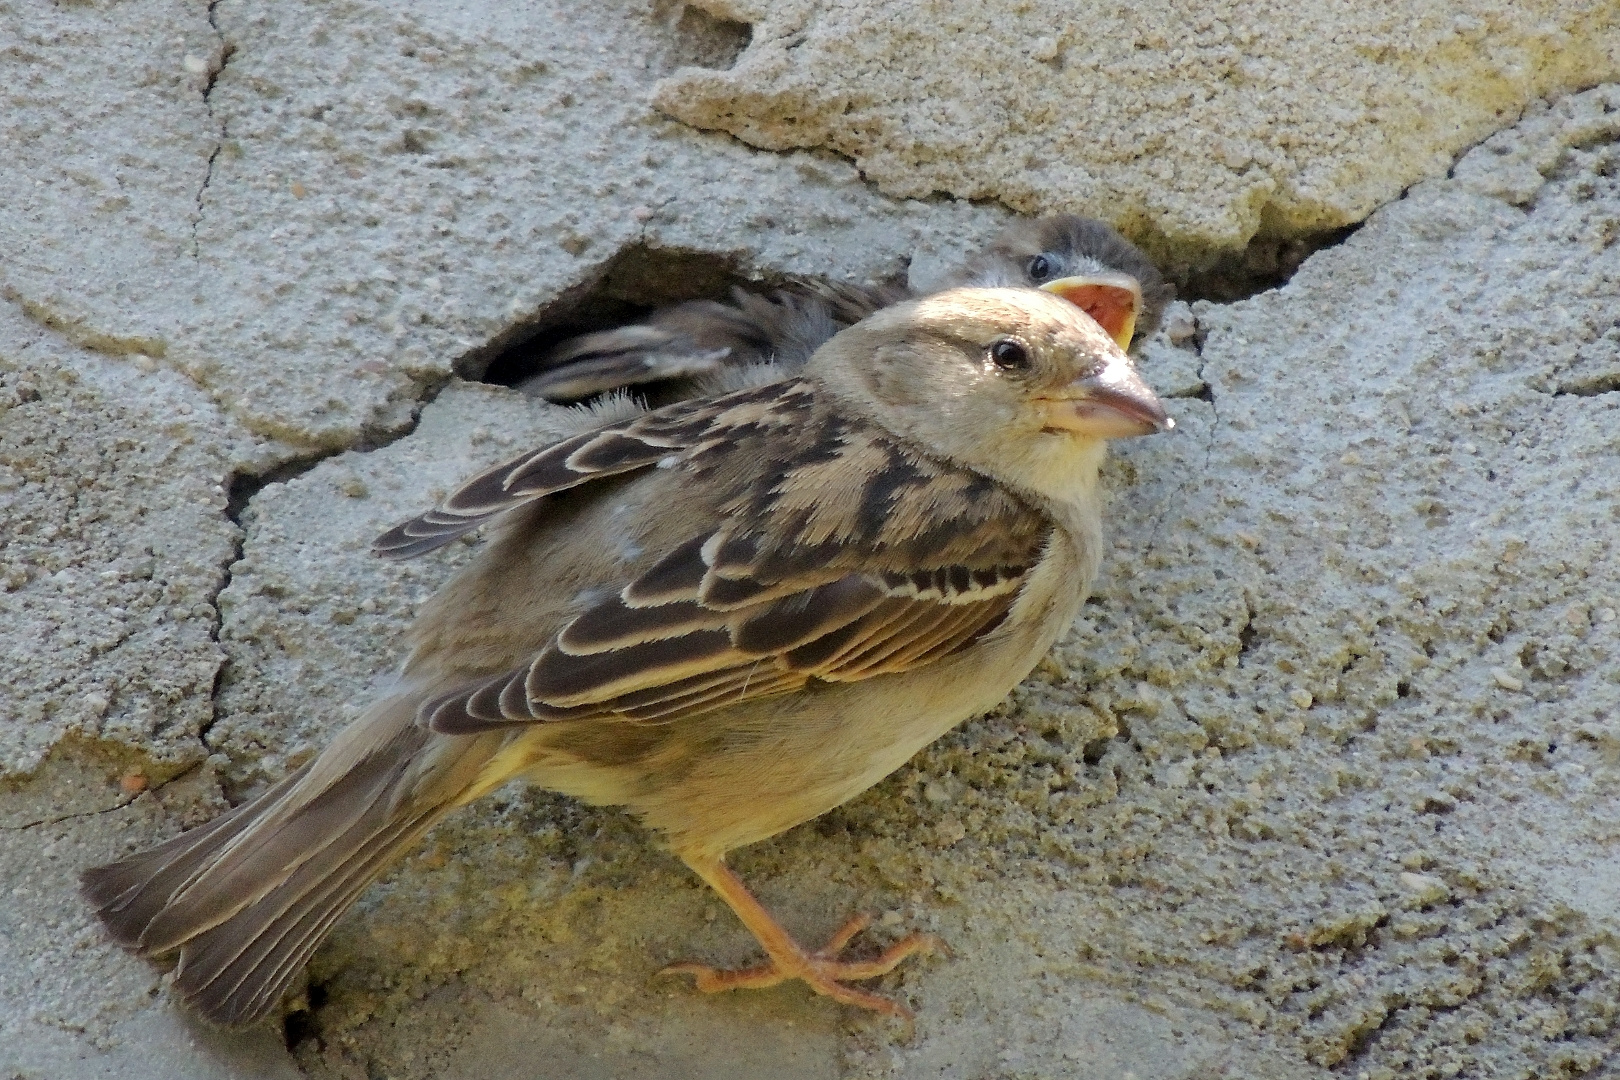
<point>1319,782</point>
<point>113,545</point>
<point>320,210</point>
<point>1194,126</point>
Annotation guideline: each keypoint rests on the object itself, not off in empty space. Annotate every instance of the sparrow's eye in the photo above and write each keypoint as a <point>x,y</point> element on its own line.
<point>1009,355</point>
<point>1040,268</point>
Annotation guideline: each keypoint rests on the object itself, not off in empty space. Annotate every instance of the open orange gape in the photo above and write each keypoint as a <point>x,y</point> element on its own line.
<point>1113,300</point>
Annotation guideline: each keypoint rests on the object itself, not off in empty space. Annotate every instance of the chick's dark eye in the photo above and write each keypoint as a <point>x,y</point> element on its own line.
<point>1040,268</point>
<point>1008,354</point>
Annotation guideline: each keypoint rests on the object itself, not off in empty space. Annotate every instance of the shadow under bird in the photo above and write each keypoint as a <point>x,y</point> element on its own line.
<point>705,345</point>
<point>727,615</point>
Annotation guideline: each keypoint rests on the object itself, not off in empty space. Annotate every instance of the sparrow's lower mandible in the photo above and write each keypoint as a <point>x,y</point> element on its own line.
<point>728,616</point>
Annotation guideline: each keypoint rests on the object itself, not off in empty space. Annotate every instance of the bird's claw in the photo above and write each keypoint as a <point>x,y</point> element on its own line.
<point>821,970</point>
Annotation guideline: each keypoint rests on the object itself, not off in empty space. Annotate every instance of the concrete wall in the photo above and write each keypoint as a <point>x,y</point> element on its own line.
<point>1322,783</point>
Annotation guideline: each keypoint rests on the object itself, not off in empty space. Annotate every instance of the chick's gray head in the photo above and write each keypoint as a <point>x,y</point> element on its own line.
<point>1083,260</point>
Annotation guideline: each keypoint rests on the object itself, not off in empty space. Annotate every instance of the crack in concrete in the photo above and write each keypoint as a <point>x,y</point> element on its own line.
<point>77,330</point>
<point>243,487</point>
<point>1207,393</point>
<point>216,631</point>
<point>202,191</point>
<point>227,49</point>
<point>1204,393</point>
<point>114,808</point>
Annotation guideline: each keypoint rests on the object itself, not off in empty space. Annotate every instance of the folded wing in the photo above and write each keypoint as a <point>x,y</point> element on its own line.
<point>808,579</point>
<point>638,443</point>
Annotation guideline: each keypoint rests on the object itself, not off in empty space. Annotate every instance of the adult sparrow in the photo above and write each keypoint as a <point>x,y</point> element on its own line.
<point>728,615</point>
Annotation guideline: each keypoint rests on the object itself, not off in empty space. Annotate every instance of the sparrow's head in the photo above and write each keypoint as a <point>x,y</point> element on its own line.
<point>1084,261</point>
<point>1015,383</point>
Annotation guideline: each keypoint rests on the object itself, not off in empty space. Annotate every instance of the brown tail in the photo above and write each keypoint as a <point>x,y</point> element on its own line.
<point>248,897</point>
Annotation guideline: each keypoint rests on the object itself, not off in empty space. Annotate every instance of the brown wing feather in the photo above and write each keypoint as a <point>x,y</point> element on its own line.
<point>694,338</point>
<point>799,319</point>
<point>783,593</point>
<point>702,337</point>
<point>638,443</point>
<point>841,554</point>
<point>704,669</point>
<point>591,375</point>
<point>848,304</point>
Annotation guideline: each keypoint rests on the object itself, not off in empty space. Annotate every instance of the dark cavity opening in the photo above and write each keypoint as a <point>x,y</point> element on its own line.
<point>630,286</point>
<point>1267,262</point>
<point>699,39</point>
<point>301,1026</point>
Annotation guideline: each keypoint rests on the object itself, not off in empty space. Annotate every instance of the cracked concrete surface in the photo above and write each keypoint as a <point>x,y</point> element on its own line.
<point>1194,126</point>
<point>397,188</point>
<point>210,67</point>
<point>1319,786</point>
<point>116,545</point>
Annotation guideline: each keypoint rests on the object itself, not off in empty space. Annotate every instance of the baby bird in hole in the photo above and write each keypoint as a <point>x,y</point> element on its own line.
<point>704,346</point>
<point>727,615</point>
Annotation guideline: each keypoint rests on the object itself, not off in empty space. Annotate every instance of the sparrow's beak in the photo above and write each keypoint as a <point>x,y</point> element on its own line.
<point>1114,403</point>
<point>1111,299</point>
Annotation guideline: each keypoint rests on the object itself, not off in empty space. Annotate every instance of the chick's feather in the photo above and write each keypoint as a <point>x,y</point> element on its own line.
<point>706,346</point>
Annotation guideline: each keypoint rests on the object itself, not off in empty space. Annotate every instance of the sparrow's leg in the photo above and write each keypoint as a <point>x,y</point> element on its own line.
<point>821,969</point>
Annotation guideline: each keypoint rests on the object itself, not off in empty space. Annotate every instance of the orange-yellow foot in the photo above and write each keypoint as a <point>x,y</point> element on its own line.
<point>821,970</point>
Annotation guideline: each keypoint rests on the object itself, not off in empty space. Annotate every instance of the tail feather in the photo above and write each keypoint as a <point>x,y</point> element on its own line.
<point>265,857</point>
<point>129,894</point>
<point>248,897</point>
<point>236,972</point>
<point>268,982</point>
<point>255,928</point>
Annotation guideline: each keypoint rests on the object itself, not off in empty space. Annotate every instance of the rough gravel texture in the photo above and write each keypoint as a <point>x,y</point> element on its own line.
<point>1320,785</point>
<point>316,211</point>
<point>1196,126</point>
<point>116,544</point>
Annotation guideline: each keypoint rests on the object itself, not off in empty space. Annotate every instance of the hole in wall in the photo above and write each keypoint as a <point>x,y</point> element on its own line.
<point>242,487</point>
<point>700,39</point>
<point>642,278</point>
<point>634,283</point>
<point>1266,263</point>
<point>300,1026</point>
